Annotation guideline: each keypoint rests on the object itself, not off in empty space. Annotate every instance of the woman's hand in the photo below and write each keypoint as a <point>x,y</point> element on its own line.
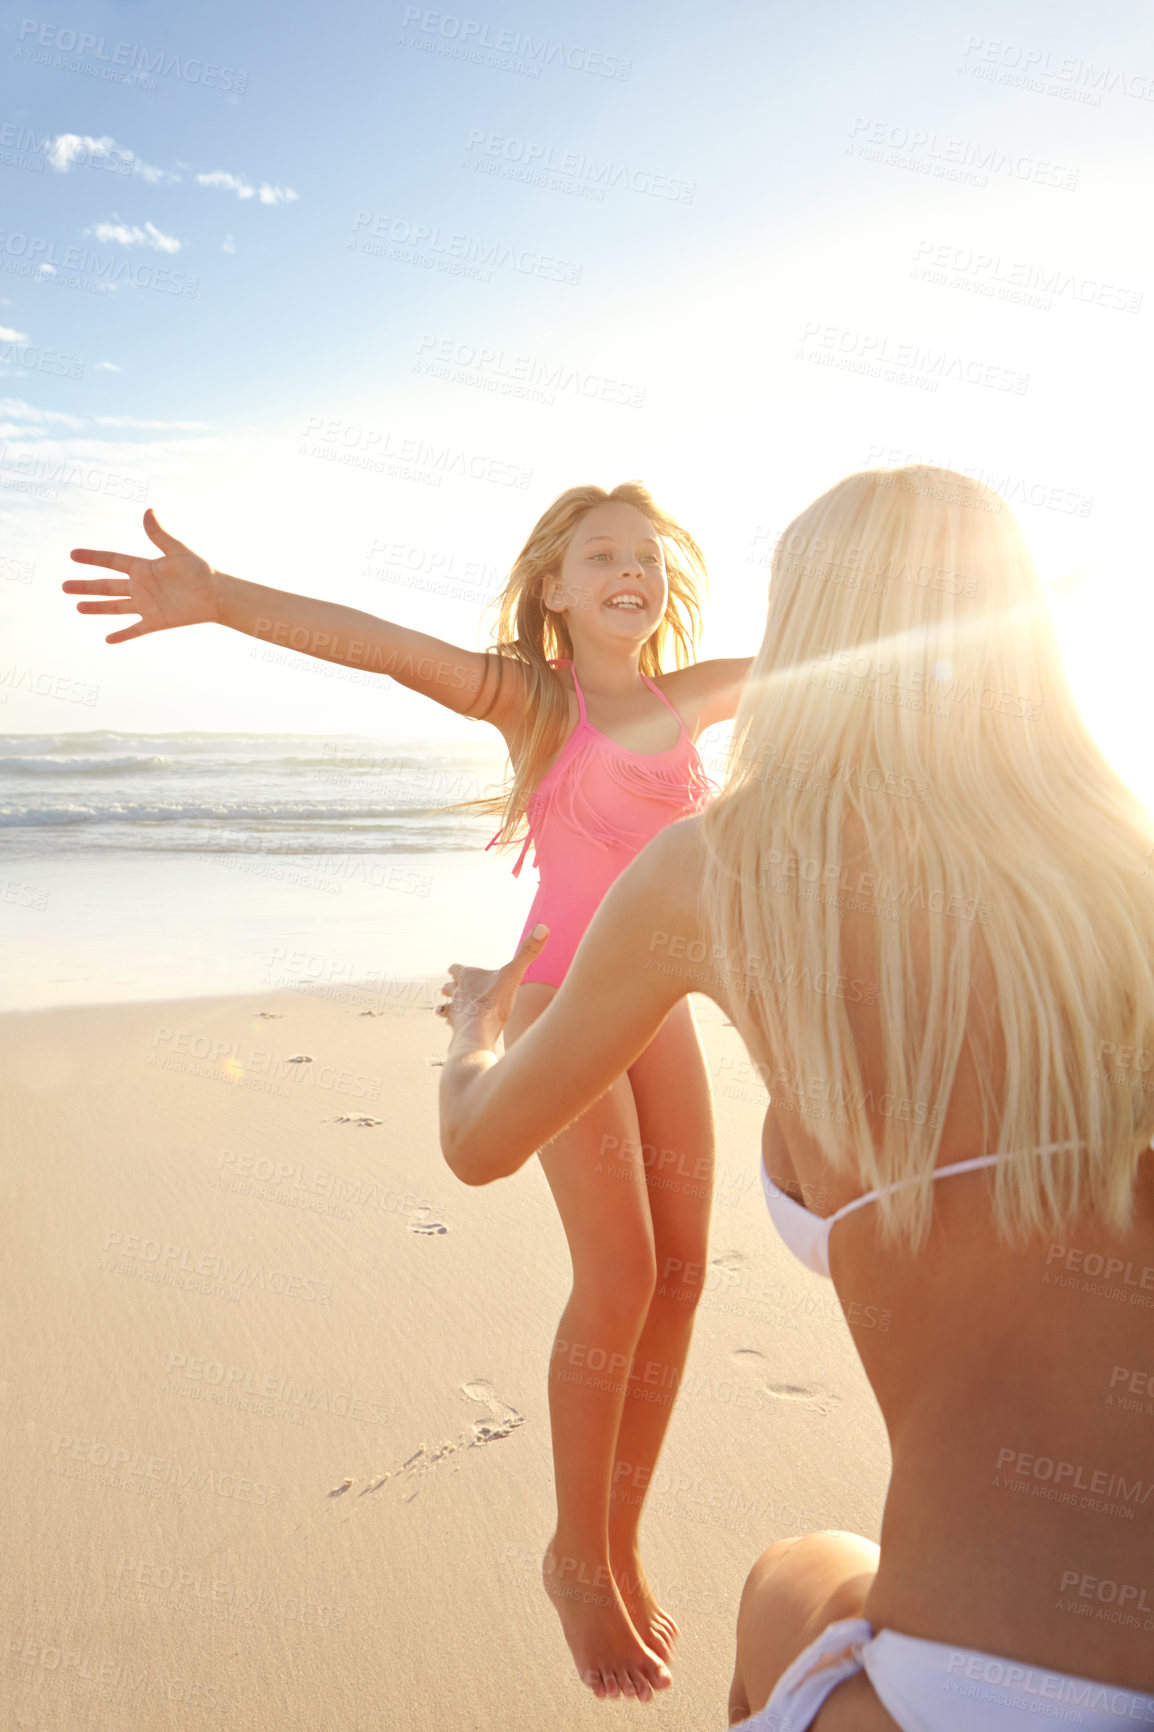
<point>179,588</point>
<point>480,999</point>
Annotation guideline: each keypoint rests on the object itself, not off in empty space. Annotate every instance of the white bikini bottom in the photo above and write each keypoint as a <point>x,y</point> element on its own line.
<point>932,1687</point>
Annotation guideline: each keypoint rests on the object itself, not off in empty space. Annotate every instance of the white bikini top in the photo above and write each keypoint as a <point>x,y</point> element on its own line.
<point>807,1234</point>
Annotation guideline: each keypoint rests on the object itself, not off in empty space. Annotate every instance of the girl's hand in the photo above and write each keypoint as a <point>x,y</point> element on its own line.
<point>480,999</point>
<point>179,588</point>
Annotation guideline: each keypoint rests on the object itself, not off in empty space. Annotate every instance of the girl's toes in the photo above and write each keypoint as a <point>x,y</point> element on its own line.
<point>644,1688</point>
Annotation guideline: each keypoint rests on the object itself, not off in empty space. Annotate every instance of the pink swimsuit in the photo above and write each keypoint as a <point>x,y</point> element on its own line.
<point>589,815</point>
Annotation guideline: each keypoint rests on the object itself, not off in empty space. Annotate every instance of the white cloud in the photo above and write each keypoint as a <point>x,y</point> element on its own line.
<point>226,182</point>
<point>228,245</point>
<point>74,147</point>
<point>69,147</point>
<point>149,236</point>
<point>221,178</point>
<point>10,336</point>
<point>19,410</point>
<point>105,367</point>
<point>159,426</point>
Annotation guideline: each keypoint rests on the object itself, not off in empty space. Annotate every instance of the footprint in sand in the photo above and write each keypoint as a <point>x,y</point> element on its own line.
<point>814,1395</point>
<point>301,1058</point>
<point>501,1421</point>
<point>424,1221</point>
<point>356,1119</point>
<point>271,1015</point>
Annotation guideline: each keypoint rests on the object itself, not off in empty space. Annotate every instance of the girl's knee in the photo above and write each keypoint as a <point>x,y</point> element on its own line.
<point>681,1275</point>
<point>615,1297</point>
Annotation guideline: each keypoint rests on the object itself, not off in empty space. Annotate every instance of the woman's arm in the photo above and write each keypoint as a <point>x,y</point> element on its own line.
<point>181,588</point>
<point>629,972</point>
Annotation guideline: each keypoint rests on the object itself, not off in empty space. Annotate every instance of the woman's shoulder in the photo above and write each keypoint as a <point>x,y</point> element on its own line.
<point>671,868</point>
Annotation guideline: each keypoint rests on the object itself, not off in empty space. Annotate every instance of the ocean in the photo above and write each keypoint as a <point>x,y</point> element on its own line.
<point>145,866</point>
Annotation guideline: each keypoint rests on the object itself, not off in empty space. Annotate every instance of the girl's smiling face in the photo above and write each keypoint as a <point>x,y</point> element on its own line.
<point>612,579</point>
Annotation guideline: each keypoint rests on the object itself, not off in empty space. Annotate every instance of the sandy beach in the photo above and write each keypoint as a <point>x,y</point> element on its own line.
<point>242,1278</point>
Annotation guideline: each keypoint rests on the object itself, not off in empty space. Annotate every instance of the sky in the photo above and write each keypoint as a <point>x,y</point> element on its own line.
<point>349,295</point>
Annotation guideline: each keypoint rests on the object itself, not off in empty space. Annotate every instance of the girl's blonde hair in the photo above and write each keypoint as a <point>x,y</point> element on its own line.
<point>910,677</point>
<point>529,633</point>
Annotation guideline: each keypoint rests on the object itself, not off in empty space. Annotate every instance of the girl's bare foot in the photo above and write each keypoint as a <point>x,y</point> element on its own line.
<point>655,1626</point>
<point>609,1655</point>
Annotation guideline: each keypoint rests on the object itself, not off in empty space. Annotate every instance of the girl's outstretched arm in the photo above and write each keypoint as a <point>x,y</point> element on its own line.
<point>642,952</point>
<point>708,692</point>
<point>181,588</point>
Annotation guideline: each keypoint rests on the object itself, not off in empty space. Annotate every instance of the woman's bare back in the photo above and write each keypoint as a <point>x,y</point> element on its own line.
<point>1016,1383</point>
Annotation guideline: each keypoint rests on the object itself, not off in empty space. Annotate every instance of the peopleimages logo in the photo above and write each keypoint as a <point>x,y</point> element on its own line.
<point>1038,63</point>
<point>1071,1483</point>
<point>952,158</point>
<point>41,256</point>
<point>474,39</point>
<point>137,1464</point>
<point>415,243</point>
<point>126,57</point>
<point>33,357</point>
<point>534,156</point>
<point>1049,1687</point>
<point>520,375</point>
<point>990,274</point>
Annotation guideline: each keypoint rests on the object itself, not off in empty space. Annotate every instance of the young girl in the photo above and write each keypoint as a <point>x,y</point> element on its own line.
<point>601,746</point>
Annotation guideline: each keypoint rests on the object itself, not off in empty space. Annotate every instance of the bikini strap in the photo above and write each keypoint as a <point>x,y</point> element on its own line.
<point>674,713</point>
<point>565,662</point>
<point>971,1166</point>
<point>581,697</point>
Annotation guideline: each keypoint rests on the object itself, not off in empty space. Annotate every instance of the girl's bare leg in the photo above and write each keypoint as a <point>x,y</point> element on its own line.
<point>606,1219</point>
<point>674,1106</point>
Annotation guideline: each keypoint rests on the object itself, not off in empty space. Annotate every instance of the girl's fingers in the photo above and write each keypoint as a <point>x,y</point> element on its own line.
<point>534,943</point>
<point>96,586</point>
<point>122,604</point>
<point>160,537</point>
<point>138,630</point>
<point>483,989</point>
<point>100,556</point>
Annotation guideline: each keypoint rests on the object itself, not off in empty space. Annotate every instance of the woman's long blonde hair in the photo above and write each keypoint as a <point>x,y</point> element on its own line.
<point>529,633</point>
<point>909,652</point>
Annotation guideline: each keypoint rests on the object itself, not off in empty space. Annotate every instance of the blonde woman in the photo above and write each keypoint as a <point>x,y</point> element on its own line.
<point>944,931</point>
<point>601,740</point>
